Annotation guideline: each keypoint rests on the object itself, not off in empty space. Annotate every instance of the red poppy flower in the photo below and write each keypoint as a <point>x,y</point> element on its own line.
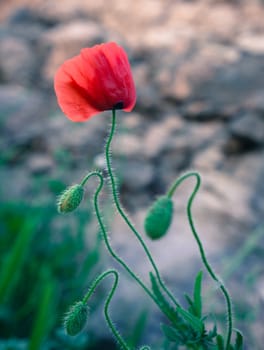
<point>98,79</point>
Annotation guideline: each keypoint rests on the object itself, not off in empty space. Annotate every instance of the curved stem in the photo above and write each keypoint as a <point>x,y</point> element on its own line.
<point>87,177</point>
<point>201,249</point>
<point>115,332</point>
<point>104,232</point>
<point>122,213</point>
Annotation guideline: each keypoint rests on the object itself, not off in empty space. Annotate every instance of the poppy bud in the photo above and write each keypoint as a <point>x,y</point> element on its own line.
<point>159,217</point>
<point>70,199</point>
<point>76,318</point>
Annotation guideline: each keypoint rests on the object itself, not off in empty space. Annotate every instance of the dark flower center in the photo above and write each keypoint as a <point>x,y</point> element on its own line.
<point>119,105</point>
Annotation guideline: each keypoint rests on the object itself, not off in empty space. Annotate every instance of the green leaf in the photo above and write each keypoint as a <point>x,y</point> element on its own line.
<point>195,305</point>
<point>220,342</point>
<point>194,321</point>
<point>13,263</point>
<point>138,329</point>
<point>42,322</point>
<point>172,334</point>
<point>197,297</point>
<point>212,333</point>
<point>168,310</point>
<point>191,304</point>
<point>239,340</point>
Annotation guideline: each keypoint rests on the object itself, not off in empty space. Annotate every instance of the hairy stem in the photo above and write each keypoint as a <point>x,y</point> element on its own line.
<point>201,249</point>
<point>123,214</point>
<point>106,239</point>
<point>113,329</point>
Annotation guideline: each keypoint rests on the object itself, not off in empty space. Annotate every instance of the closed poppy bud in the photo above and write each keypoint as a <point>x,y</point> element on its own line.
<point>76,318</point>
<point>70,199</point>
<point>159,217</point>
<point>98,79</point>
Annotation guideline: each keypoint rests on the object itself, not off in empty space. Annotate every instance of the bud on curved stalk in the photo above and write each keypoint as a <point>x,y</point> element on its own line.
<point>70,199</point>
<point>75,319</point>
<point>159,218</point>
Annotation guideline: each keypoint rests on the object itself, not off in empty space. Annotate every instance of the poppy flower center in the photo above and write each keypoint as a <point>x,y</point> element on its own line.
<point>119,105</point>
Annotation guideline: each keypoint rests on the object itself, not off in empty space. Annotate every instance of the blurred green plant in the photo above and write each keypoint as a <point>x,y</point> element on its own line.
<point>43,266</point>
<point>186,326</point>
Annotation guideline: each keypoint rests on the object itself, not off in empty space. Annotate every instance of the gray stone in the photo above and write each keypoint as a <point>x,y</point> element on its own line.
<point>127,145</point>
<point>19,183</point>
<point>133,174</point>
<point>249,126</point>
<point>17,61</point>
<point>86,139</point>
<point>22,112</point>
<point>207,110</point>
<point>40,163</point>
<point>251,43</point>
<point>256,103</point>
<point>211,157</point>
<point>157,136</point>
<point>231,84</point>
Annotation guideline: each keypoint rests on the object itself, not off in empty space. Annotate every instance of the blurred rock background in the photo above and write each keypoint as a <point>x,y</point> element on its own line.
<point>199,70</point>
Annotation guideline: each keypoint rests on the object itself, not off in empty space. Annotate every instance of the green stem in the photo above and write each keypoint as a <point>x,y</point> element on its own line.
<point>201,249</point>
<point>87,177</point>
<point>113,329</point>
<point>122,213</point>
<point>104,232</point>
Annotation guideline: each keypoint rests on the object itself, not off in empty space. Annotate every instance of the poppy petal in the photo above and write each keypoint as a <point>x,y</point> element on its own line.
<point>98,79</point>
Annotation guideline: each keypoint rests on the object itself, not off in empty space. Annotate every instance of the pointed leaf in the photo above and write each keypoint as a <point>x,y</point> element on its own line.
<point>239,340</point>
<point>191,304</point>
<point>220,342</point>
<point>212,333</point>
<point>138,329</point>
<point>194,321</point>
<point>197,297</point>
<point>171,333</point>
<point>163,303</point>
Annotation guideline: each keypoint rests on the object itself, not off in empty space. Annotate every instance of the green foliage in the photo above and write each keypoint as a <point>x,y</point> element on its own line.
<point>168,310</point>
<point>42,323</point>
<point>139,328</point>
<point>187,327</point>
<point>14,259</point>
<point>197,295</point>
<point>44,266</point>
<point>239,340</point>
<point>220,342</point>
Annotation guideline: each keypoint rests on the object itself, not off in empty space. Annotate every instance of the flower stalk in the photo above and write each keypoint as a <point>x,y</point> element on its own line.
<point>207,265</point>
<point>100,79</point>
